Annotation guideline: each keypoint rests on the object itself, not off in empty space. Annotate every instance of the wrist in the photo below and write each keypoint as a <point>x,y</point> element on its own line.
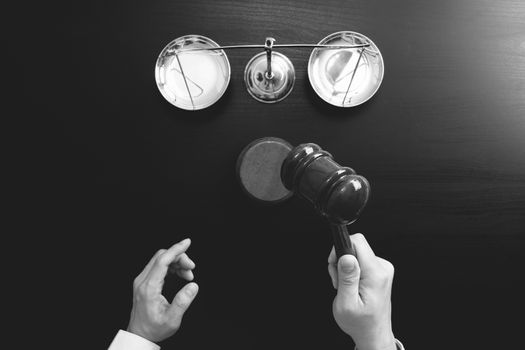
<point>382,342</point>
<point>138,332</point>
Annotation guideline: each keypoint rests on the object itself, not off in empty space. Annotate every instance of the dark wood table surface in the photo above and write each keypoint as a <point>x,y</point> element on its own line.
<point>442,144</point>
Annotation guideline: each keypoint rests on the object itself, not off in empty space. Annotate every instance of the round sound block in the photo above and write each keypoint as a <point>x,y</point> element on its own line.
<point>259,169</point>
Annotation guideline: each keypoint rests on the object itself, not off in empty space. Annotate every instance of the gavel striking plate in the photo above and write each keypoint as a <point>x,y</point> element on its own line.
<point>272,170</point>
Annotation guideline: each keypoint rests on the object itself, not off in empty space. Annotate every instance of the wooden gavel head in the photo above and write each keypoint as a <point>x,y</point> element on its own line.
<point>271,171</point>
<point>337,192</point>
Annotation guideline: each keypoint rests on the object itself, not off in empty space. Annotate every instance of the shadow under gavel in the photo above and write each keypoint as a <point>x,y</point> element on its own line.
<point>270,170</point>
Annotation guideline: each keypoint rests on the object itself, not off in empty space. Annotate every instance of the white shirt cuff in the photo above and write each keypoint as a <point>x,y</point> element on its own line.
<point>129,341</point>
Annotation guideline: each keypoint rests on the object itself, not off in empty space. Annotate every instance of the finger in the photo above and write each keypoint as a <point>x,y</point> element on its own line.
<point>185,274</point>
<point>184,262</point>
<point>160,267</point>
<point>348,274</point>
<point>332,271</point>
<point>146,270</point>
<point>182,301</point>
<point>364,253</point>
<point>332,268</point>
<point>332,257</point>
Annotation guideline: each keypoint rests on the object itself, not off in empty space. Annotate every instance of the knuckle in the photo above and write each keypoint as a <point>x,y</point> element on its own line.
<point>350,279</point>
<point>390,268</point>
<point>387,267</point>
<point>141,290</point>
<point>149,286</point>
<point>385,270</point>
<point>358,238</point>
<point>162,259</point>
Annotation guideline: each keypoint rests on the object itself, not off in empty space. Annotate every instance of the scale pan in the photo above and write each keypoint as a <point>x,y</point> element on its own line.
<point>192,79</point>
<point>346,77</point>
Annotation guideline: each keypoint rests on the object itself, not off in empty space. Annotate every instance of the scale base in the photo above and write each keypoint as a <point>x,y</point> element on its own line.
<point>269,89</point>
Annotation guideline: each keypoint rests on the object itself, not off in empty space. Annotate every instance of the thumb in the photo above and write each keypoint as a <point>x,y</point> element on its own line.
<point>348,273</point>
<point>182,300</point>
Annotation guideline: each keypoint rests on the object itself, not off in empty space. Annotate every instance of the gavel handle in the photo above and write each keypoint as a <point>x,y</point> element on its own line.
<point>342,242</point>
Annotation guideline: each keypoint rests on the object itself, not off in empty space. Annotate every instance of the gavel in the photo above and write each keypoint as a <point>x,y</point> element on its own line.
<point>270,170</point>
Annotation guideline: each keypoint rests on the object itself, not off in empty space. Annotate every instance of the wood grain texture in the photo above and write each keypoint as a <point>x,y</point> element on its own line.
<point>442,144</point>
